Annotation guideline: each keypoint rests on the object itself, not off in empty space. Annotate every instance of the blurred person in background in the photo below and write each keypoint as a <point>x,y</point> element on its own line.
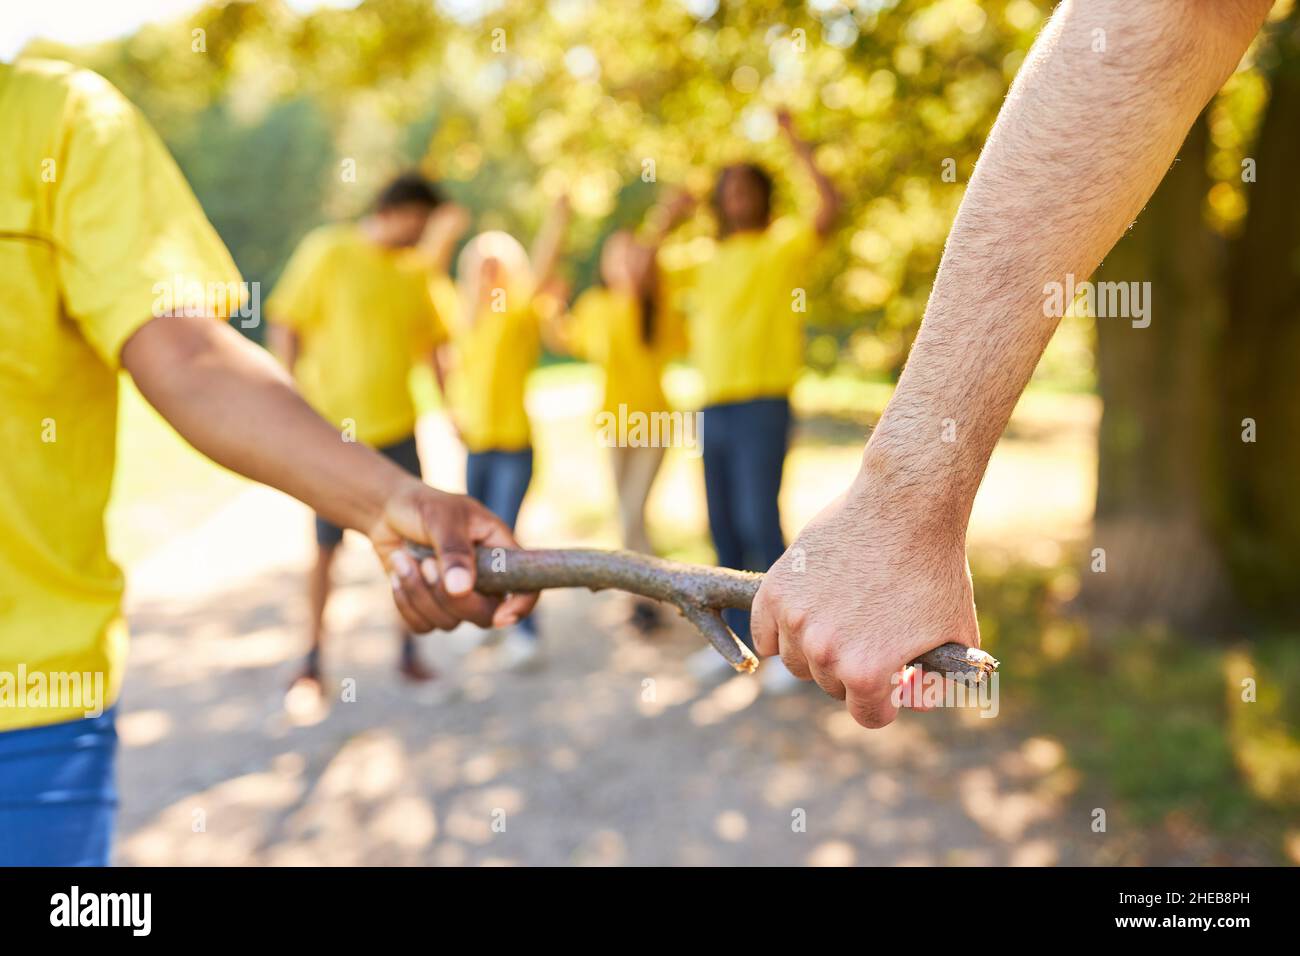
<point>350,316</point>
<point>744,303</point>
<point>95,220</point>
<point>493,322</point>
<point>627,327</point>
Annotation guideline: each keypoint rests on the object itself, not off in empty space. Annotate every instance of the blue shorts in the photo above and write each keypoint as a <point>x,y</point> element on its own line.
<point>404,454</point>
<point>58,793</point>
<point>499,480</point>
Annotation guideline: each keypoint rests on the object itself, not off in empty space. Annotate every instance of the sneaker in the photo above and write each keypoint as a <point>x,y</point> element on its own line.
<point>708,666</point>
<point>480,636</point>
<point>777,679</point>
<point>520,652</point>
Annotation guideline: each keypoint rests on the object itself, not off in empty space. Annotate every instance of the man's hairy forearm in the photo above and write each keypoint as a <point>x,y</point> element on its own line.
<point>232,402</point>
<point>1084,138</point>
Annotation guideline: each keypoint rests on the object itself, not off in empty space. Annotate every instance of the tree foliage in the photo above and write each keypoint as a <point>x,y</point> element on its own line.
<point>510,103</point>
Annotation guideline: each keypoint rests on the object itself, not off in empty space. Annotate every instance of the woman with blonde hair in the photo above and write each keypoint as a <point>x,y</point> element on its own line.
<point>495,341</point>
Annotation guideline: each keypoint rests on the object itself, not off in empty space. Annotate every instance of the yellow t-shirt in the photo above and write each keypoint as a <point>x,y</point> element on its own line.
<point>363,314</point>
<point>493,356</point>
<point>606,329</point>
<point>96,223</point>
<point>745,319</point>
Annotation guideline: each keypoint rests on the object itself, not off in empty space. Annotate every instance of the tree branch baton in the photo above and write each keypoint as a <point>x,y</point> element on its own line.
<point>699,593</point>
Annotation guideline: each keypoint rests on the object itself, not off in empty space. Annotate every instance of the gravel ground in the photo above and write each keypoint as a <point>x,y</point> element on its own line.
<point>612,754</point>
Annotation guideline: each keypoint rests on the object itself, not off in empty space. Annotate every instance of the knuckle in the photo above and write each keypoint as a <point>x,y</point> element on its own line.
<point>820,648</point>
<point>866,676</point>
<point>873,719</point>
<point>473,608</point>
<point>796,620</point>
<point>456,550</point>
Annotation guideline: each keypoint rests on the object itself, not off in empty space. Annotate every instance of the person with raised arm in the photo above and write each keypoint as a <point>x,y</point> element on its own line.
<point>628,329</point>
<point>493,316</point>
<point>744,304</point>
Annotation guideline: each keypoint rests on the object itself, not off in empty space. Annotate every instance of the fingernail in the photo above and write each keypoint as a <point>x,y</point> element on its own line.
<point>395,581</point>
<point>457,581</point>
<point>402,563</point>
<point>429,568</point>
<point>505,620</point>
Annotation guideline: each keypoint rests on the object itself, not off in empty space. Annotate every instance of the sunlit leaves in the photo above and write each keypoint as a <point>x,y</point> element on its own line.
<point>517,101</point>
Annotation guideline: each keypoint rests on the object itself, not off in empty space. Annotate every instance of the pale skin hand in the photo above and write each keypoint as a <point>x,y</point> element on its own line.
<point>444,229</point>
<point>545,253</point>
<point>828,200</point>
<point>667,215</point>
<point>232,402</point>
<point>1080,145</point>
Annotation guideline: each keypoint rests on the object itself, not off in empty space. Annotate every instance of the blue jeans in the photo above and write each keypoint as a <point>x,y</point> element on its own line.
<point>744,447</point>
<point>499,479</point>
<point>58,793</point>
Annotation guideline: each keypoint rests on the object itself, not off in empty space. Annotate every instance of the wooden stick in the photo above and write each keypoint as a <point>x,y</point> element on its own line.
<point>700,594</point>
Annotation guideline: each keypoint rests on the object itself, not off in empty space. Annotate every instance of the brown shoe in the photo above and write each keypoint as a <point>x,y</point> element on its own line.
<point>415,670</point>
<point>304,701</point>
<point>646,618</point>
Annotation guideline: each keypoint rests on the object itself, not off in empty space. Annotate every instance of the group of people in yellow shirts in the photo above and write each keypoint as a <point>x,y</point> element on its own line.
<point>95,218</point>
<point>360,302</point>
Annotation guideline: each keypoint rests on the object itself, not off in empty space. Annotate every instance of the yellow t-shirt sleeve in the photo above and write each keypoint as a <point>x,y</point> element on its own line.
<point>446,306</point>
<point>583,328</point>
<point>428,328</point>
<point>295,301</point>
<point>130,233</point>
<point>681,268</point>
<point>794,240</point>
<point>671,336</point>
<point>438,318</point>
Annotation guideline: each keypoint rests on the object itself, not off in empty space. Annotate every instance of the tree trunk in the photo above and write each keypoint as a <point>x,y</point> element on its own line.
<point>1201,526</point>
<point>1259,521</point>
<point>1156,457</point>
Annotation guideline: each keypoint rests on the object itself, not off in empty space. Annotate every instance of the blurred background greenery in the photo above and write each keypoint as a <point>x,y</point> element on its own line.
<point>510,103</point>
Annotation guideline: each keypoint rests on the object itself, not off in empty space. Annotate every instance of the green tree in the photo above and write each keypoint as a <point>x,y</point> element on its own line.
<point>1196,502</point>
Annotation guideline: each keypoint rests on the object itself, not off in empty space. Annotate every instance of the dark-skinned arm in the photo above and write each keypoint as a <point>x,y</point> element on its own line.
<point>232,402</point>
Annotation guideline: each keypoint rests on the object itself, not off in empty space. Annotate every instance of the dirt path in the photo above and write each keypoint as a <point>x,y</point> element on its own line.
<point>612,754</point>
